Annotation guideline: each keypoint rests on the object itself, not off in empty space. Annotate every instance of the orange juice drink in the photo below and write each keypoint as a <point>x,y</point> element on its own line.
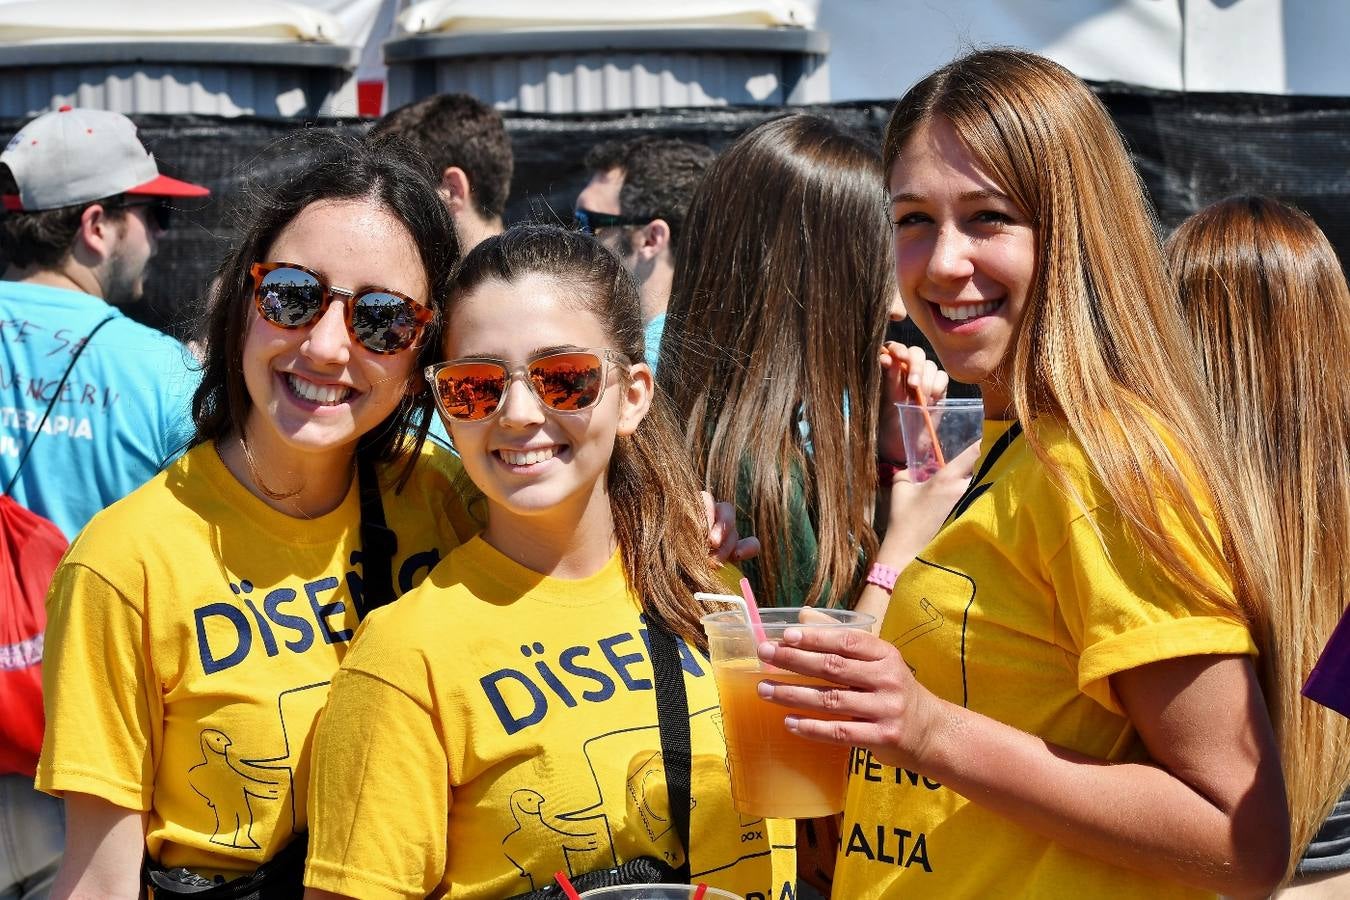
<point>774,773</point>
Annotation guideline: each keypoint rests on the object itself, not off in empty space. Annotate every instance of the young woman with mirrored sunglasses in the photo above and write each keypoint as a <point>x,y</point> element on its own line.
<point>591,550</point>
<point>195,624</point>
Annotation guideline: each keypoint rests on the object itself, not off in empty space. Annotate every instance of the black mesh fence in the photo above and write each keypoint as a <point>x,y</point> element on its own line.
<point>1191,149</point>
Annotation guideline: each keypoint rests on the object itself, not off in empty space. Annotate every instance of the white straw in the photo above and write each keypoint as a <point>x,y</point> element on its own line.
<point>728,598</point>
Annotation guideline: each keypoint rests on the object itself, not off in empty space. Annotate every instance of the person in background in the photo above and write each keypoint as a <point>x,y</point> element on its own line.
<point>468,152</point>
<point>1268,306</point>
<point>84,208</point>
<point>782,288</point>
<point>635,203</point>
<point>1065,698</point>
<point>519,687</point>
<point>465,143</point>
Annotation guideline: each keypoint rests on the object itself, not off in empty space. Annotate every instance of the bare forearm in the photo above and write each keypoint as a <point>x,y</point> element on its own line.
<point>1131,814</point>
<point>897,550</point>
<point>913,513</point>
<point>104,847</point>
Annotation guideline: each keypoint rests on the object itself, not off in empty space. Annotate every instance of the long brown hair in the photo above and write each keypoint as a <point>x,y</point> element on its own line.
<point>782,284</point>
<point>1268,307</point>
<point>654,495</point>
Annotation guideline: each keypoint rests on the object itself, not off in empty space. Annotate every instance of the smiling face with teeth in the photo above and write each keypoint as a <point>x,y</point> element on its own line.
<point>965,259</point>
<point>315,391</point>
<point>538,468</point>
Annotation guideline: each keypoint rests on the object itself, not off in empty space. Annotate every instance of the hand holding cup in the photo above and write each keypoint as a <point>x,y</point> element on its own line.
<point>872,699</point>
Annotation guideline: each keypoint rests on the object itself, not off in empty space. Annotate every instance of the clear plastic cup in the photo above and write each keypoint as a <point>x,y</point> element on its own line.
<point>657,892</point>
<point>774,773</point>
<point>956,424</point>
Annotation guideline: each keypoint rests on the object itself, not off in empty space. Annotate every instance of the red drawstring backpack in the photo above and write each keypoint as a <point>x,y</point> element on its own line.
<point>30,547</point>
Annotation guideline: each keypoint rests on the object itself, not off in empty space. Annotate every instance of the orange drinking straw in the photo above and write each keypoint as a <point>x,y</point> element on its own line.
<point>927,419</point>
<point>932,432</point>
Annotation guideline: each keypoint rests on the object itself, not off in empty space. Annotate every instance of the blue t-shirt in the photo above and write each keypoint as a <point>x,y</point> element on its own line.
<point>124,413</point>
<point>652,337</point>
<point>439,434</point>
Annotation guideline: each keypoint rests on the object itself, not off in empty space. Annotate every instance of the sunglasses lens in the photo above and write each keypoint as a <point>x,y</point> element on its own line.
<point>568,381</point>
<point>160,212</point>
<point>470,391</point>
<point>289,297</point>
<point>384,322</point>
<point>582,222</point>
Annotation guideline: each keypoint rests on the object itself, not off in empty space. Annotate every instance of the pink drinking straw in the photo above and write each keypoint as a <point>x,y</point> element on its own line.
<point>702,889</point>
<point>752,610</point>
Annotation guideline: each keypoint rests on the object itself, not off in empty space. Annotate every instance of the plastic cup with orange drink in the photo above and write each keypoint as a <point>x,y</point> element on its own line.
<point>774,773</point>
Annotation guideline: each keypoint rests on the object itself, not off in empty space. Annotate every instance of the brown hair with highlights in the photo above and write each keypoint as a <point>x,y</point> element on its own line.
<point>783,282</point>
<point>1268,306</point>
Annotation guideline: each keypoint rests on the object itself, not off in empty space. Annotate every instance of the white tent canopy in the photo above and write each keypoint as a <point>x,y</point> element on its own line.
<point>474,15</point>
<point>241,57</point>
<point>148,20</point>
<point>881,47</point>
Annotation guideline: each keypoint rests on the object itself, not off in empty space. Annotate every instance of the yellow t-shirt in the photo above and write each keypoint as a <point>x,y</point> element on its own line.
<point>191,637</point>
<point>1019,610</point>
<point>497,726</point>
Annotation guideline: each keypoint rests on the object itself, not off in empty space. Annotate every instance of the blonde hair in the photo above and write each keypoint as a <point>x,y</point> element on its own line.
<point>1102,347</point>
<point>1268,307</point>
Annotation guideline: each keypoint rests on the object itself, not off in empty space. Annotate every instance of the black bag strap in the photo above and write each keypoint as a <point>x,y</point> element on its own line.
<point>280,878</point>
<point>379,543</point>
<point>51,404</point>
<point>672,719</point>
<point>977,488</point>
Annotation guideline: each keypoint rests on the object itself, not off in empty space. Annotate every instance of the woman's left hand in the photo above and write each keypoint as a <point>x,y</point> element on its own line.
<point>886,710</point>
<point>724,541</point>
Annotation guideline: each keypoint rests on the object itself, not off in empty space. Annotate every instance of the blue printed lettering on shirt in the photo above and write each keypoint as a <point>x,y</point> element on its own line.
<point>283,622</point>
<point>523,697</point>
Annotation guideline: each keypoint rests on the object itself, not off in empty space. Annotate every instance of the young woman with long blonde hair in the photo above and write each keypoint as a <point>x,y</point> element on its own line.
<point>1268,307</point>
<point>1065,699</point>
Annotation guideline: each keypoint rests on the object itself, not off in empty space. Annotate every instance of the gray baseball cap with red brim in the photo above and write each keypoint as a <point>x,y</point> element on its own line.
<point>75,156</point>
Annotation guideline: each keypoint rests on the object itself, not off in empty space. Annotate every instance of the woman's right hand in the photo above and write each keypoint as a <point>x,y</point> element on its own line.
<point>887,711</point>
<point>905,371</point>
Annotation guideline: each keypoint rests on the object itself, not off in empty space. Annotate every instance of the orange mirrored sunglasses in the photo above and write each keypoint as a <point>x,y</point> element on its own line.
<point>565,381</point>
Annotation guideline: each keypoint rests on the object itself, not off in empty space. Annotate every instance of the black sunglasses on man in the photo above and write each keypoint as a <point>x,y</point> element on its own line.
<point>157,208</point>
<point>588,221</point>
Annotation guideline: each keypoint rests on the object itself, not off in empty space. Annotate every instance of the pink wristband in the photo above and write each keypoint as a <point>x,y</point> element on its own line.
<point>882,576</point>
